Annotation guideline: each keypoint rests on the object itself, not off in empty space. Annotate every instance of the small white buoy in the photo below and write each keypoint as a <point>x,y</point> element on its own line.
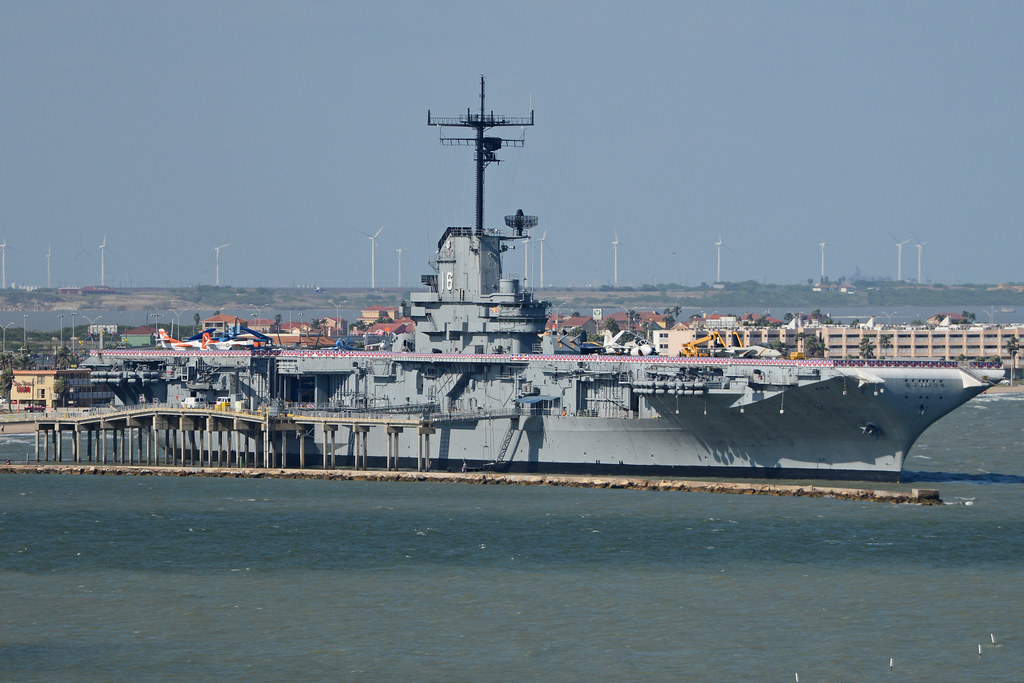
<point>797,677</point>
<point>993,637</point>
<point>890,663</point>
<point>979,649</point>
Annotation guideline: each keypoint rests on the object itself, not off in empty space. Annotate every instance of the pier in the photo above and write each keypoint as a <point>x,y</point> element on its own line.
<point>215,442</point>
<point>221,438</point>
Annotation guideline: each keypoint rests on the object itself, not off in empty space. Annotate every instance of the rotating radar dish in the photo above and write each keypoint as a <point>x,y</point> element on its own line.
<point>520,221</point>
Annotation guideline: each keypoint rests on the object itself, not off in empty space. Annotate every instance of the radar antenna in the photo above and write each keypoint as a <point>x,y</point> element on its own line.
<point>485,146</point>
<point>520,221</point>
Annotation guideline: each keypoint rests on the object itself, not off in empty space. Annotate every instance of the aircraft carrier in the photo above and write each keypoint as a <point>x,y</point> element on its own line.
<point>500,394</point>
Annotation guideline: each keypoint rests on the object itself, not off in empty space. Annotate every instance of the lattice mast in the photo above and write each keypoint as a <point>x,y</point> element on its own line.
<point>485,146</point>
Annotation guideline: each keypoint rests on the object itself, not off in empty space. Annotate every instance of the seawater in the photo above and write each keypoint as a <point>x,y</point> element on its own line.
<point>116,578</point>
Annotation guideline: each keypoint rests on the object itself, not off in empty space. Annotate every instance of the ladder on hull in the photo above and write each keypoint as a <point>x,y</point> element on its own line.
<point>513,426</point>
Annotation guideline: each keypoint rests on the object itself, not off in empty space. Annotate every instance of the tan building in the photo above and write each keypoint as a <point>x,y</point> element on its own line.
<point>223,322</point>
<point>375,314</point>
<point>844,342</point>
<point>335,327</point>
<point>919,342</point>
<point>34,390</point>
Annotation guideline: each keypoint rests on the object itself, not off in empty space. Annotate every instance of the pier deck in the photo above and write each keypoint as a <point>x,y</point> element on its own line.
<point>214,437</point>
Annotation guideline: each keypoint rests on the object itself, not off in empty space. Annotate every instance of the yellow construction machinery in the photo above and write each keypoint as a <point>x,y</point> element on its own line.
<point>697,348</point>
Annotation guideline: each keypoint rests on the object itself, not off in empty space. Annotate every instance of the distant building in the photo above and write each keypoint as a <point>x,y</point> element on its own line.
<point>304,338</point>
<point>263,325</point>
<point>36,390</point>
<point>375,313</point>
<point>834,288</point>
<point>402,326</point>
<point>222,322</point>
<point>715,321</point>
<point>754,319</point>
<point>653,320</point>
<point>335,327</point>
<point>297,327</point>
<point>139,336</point>
<point>840,341</point>
<point>564,324</point>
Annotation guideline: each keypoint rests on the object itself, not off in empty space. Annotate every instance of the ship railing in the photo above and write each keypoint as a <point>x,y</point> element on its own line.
<point>334,410</point>
<point>473,415</point>
<point>93,411</point>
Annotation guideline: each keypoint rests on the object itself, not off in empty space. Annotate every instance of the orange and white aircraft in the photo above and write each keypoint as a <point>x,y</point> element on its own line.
<point>169,342</point>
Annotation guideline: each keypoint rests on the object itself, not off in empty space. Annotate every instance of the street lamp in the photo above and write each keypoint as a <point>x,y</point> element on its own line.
<point>177,318</point>
<point>337,314</point>
<point>73,314</point>
<point>259,312</point>
<point>24,332</point>
<point>60,316</point>
<point>4,348</point>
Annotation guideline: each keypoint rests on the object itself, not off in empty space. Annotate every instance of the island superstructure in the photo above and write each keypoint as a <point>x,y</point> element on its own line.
<point>500,394</point>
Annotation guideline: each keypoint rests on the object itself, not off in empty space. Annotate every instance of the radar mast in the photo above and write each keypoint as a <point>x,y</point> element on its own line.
<point>485,146</point>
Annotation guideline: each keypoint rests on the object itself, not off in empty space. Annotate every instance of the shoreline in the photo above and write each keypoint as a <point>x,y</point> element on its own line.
<point>914,496</point>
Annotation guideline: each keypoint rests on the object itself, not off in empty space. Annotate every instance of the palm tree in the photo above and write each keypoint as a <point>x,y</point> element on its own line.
<point>6,382</point>
<point>317,324</point>
<point>65,357</point>
<point>60,388</point>
<point>884,342</point>
<point>813,347</point>
<point>1012,346</point>
<point>867,349</point>
<point>631,318</point>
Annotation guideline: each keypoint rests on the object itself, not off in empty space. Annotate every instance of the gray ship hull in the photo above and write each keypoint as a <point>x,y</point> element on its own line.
<point>647,416</point>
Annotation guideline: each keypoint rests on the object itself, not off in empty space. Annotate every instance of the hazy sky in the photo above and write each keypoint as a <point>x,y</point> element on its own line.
<point>286,127</point>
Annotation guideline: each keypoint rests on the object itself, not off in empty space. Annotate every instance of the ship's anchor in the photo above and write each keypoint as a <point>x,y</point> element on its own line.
<point>871,429</point>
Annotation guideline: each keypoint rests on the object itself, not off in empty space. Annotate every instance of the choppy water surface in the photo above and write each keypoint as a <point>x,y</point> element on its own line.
<point>107,578</point>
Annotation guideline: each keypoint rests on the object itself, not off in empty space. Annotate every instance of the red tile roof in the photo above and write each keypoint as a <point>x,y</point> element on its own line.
<point>225,318</point>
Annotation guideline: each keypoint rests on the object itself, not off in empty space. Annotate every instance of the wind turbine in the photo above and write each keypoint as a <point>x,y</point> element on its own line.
<point>615,251</point>
<point>822,245</point>
<point>373,249</point>
<point>541,240</point>
<point>47,257</point>
<point>899,260</point>
<point>526,261</point>
<point>399,268</point>
<point>718,247</point>
<point>217,251</point>
<point>103,248</point>
<point>919,247</point>
<point>3,258</point>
